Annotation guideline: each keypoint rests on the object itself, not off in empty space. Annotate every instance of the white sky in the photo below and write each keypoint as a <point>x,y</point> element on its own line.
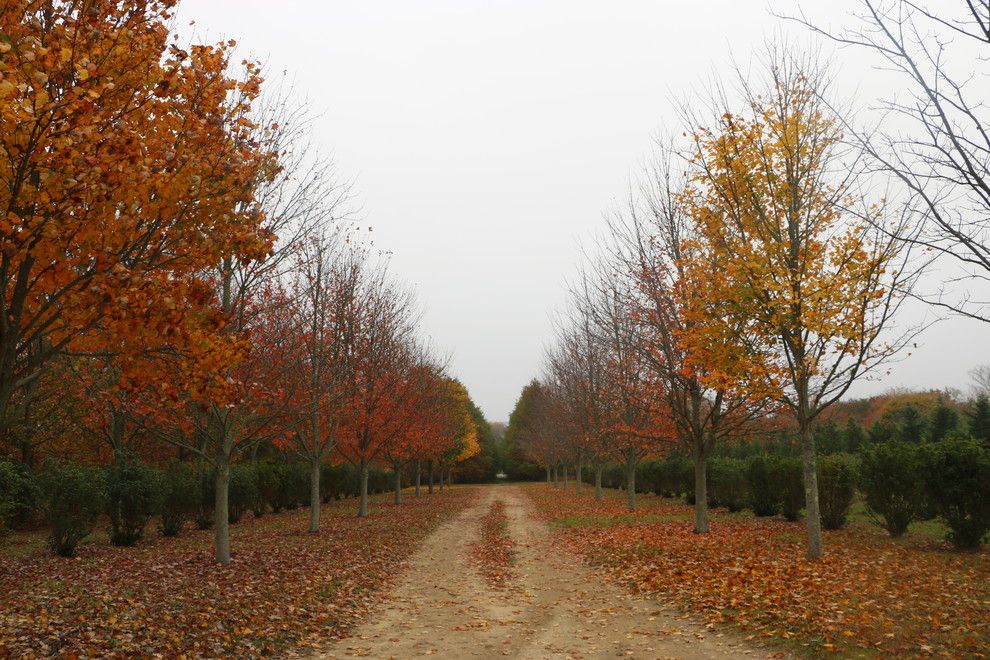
<point>487,138</point>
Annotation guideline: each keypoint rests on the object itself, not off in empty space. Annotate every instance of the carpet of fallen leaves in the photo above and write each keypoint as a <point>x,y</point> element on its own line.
<point>285,590</point>
<point>869,596</point>
<point>494,551</point>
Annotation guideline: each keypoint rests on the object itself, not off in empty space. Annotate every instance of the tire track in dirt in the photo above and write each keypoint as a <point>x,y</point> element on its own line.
<point>555,608</point>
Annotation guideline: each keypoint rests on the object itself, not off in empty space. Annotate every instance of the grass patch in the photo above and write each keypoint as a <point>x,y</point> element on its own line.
<point>619,520</point>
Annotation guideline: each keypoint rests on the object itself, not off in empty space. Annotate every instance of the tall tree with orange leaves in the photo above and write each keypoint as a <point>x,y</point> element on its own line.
<point>808,275</point>
<point>126,173</point>
<point>651,237</point>
<point>385,351</point>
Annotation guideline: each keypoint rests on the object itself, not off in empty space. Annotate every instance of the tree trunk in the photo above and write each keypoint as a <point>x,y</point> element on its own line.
<point>431,478</point>
<point>363,507</point>
<point>577,478</point>
<point>221,524</point>
<point>816,548</point>
<point>556,476</point>
<point>564,470</point>
<point>700,492</point>
<point>548,475</point>
<point>398,484</point>
<point>419,471</point>
<point>314,496</point>
<point>631,484</point>
<point>598,482</point>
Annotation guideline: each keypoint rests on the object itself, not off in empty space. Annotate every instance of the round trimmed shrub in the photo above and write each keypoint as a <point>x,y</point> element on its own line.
<point>18,494</point>
<point>181,495</point>
<point>133,496</point>
<point>837,476</point>
<point>293,488</point>
<point>206,501</point>
<point>890,478</point>
<point>727,485</point>
<point>671,473</point>
<point>764,496</point>
<point>788,480</point>
<point>956,478</point>
<point>648,477</point>
<point>72,498</point>
<point>266,479</point>
<point>242,492</point>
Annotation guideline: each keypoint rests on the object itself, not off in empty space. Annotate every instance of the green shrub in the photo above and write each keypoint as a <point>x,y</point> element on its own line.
<point>764,496</point>
<point>133,496</point>
<point>18,493</point>
<point>788,480</point>
<point>242,491</point>
<point>837,476</point>
<point>293,489</point>
<point>727,485</point>
<point>379,481</point>
<point>890,479</point>
<point>266,477</point>
<point>613,476</point>
<point>675,476</point>
<point>340,481</point>
<point>956,478</point>
<point>206,501</point>
<point>648,477</point>
<point>181,496</point>
<point>72,498</point>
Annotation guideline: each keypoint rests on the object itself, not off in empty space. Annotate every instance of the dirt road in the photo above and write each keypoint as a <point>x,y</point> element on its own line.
<point>554,608</point>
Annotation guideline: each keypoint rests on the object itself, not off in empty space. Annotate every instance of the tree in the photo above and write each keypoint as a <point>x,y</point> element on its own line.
<point>802,264</point>
<point>979,418</point>
<point>639,422</point>
<point>385,350</point>
<point>942,159</point>
<point>650,239</point>
<point>532,436</point>
<point>126,176</point>
<point>326,290</point>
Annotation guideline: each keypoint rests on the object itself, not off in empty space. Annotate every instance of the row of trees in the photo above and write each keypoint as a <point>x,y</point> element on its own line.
<point>755,271</point>
<point>180,279</point>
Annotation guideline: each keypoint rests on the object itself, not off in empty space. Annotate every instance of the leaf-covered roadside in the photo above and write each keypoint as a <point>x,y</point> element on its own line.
<point>283,590</point>
<point>494,551</point>
<point>868,596</point>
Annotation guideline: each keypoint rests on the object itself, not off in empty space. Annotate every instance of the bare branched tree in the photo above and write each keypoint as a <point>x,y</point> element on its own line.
<point>942,156</point>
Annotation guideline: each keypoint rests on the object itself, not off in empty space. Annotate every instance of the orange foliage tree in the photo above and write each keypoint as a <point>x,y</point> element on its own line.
<point>126,174</point>
<point>805,283</point>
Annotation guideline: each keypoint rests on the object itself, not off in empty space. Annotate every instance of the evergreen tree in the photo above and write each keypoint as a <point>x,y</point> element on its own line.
<point>944,419</point>
<point>912,424</point>
<point>854,435</point>
<point>979,418</point>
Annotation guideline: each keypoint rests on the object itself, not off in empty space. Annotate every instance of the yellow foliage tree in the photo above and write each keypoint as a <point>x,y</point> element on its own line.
<point>804,284</point>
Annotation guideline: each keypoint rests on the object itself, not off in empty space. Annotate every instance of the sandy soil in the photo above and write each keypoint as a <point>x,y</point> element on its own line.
<point>556,607</point>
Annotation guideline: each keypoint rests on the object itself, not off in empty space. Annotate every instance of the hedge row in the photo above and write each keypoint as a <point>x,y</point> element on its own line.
<point>72,497</point>
<point>900,482</point>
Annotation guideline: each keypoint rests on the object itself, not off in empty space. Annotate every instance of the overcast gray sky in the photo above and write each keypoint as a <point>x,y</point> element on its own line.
<point>487,138</point>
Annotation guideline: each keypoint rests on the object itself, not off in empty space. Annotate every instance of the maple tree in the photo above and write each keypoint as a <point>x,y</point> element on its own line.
<point>806,279</point>
<point>638,422</point>
<point>940,152</point>
<point>126,175</point>
<point>651,246</point>
<point>385,351</point>
<point>578,371</point>
<point>327,290</point>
